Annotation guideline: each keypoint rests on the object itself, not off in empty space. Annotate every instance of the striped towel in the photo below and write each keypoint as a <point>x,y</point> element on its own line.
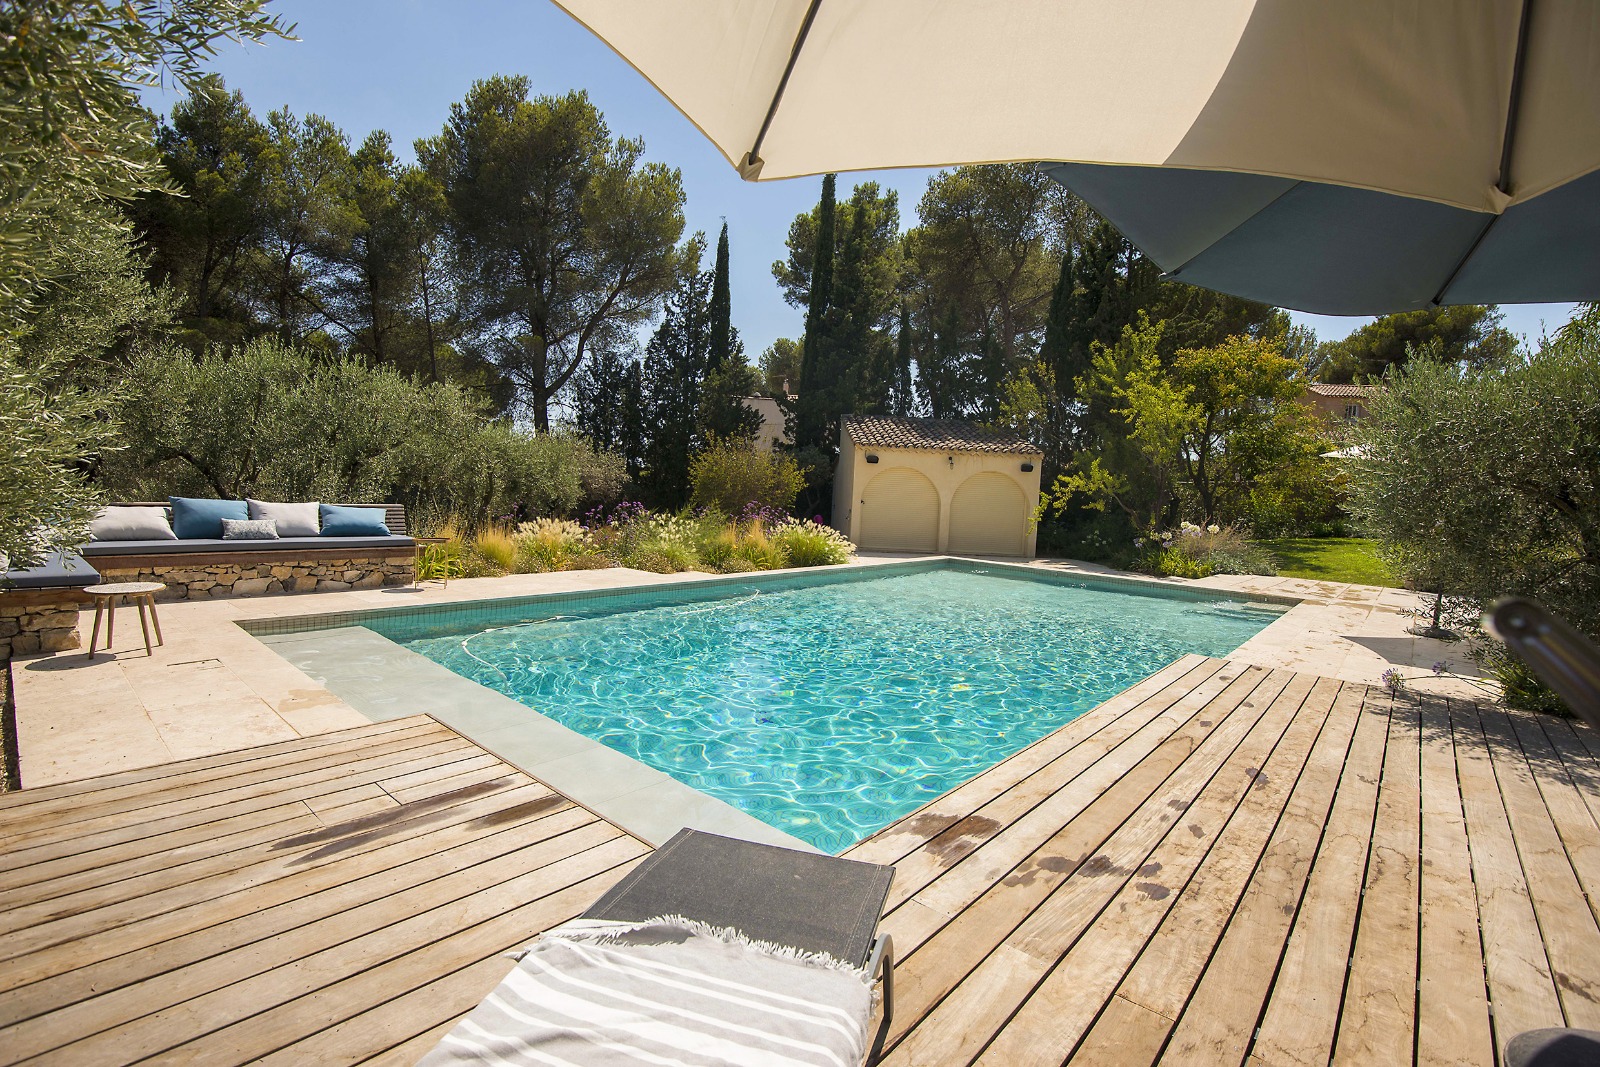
<point>666,991</point>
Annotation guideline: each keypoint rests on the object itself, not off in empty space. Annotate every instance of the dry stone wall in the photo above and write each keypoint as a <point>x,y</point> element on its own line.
<point>232,579</point>
<point>29,626</point>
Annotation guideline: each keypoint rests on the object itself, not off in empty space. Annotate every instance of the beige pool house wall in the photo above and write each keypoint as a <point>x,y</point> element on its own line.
<point>948,472</point>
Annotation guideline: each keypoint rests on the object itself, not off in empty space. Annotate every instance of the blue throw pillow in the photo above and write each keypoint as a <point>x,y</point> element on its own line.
<point>352,522</point>
<point>194,517</point>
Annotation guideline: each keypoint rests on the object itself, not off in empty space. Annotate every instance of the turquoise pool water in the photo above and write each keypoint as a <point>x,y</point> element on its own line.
<point>829,710</point>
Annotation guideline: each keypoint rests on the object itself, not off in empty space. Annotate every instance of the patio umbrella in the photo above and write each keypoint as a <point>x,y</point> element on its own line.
<point>1361,157</point>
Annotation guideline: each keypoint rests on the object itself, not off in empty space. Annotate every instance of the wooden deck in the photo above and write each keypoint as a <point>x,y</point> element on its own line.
<point>334,899</point>
<point>1223,865</point>
<point>1229,865</point>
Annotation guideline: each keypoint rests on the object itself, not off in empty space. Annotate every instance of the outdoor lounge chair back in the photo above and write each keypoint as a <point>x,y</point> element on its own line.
<point>763,908</point>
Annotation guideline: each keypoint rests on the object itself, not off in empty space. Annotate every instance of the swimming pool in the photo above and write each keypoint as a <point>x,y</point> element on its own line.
<point>828,705</point>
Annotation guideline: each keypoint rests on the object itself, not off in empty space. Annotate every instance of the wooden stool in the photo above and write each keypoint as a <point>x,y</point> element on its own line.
<point>143,594</point>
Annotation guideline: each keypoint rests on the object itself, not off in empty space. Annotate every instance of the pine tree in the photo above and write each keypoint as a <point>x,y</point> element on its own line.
<point>721,307</point>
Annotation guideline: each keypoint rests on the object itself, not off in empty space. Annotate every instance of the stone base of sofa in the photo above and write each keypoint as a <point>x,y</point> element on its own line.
<point>188,582</point>
<point>39,624</point>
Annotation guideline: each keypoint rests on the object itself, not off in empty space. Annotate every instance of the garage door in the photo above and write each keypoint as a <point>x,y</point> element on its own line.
<point>900,512</point>
<point>989,516</point>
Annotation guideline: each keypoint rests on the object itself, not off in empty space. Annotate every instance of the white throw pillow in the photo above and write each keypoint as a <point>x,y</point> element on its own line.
<point>131,524</point>
<point>294,520</point>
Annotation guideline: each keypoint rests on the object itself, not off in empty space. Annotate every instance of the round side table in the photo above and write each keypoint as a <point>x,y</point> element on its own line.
<point>143,594</point>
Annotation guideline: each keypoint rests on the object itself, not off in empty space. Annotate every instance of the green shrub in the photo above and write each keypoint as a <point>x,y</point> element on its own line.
<point>731,475</point>
<point>662,557</point>
<point>495,550</point>
<point>719,548</point>
<point>1196,552</point>
<point>1172,563</point>
<point>333,428</point>
<point>809,544</point>
<point>548,545</point>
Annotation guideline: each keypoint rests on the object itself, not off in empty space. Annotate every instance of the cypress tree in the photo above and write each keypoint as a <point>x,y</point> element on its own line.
<point>721,308</point>
<point>810,418</point>
<point>1056,351</point>
<point>900,393</point>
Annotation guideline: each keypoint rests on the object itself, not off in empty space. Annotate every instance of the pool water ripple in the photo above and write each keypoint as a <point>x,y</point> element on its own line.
<point>830,711</point>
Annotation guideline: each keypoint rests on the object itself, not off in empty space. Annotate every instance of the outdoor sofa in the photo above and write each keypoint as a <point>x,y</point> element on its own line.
<point>179,544</point>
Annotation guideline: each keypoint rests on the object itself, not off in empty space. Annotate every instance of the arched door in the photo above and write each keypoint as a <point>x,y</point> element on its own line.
<point>899,512</point>
<point>989,516</point>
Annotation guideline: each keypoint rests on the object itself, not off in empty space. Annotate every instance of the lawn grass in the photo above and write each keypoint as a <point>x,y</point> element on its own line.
<point>1330,559</point>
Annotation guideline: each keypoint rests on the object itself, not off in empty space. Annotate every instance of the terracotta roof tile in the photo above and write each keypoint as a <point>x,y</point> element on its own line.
<point>933,435</point>
<point>1342,390</point>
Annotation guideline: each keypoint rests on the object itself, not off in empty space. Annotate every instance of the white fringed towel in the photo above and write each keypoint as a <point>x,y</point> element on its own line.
<point>666,991</point>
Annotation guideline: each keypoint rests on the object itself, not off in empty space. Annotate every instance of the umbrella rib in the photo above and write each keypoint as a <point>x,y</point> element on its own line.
<point>1503,182</point>
<point>750,166</point>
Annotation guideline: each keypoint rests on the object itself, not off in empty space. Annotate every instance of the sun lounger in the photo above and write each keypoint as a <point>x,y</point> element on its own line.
<point>712,951</point>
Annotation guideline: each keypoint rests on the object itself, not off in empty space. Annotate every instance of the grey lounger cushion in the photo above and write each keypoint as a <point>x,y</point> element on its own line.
<point>285,546</point>
<point>62,570</point>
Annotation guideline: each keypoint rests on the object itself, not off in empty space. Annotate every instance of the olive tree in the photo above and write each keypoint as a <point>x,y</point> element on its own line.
<point>74,141</point>
<point>1485,481</point>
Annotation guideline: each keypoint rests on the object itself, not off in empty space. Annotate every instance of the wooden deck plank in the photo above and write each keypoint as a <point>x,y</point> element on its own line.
<point>136,882</point>
<point>97,920</point>
<point>1082,949</point>
<point>272,906</point>
<point>63,798</point>
<point>1563,798</point>
<point>1452,996</point>
<point>900,839</point>
<point>334,774</point>
<point>134,801</point>
<point>1116,775</point>
<point>1378,1024</point>
<point>1212,958</point>
<point>296,994</point>
<point>917,869</point>
<point>1518,971</point>
<point>334,907</point>
<point>177,985</point>
<point>1566,922</point>
<point>1302,1013</point>
<point>928,973</point>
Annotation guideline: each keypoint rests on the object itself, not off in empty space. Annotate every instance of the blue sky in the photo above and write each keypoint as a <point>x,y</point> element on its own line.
<point>398,65</point>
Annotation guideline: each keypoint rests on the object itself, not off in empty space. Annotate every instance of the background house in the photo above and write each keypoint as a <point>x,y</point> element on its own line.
<point>1339,403</point>
<point>935,485</point>
<point>774,430</point>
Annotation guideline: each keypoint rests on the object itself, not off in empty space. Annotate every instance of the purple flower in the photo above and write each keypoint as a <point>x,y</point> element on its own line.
<point>817,519</point>
<point>1440,667</point>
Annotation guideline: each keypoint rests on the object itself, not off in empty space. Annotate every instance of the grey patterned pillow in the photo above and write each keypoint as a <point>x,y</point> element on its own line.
<point>249,530</point>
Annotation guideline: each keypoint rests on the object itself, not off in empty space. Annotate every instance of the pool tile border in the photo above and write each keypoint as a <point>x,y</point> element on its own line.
<point>702,589</point>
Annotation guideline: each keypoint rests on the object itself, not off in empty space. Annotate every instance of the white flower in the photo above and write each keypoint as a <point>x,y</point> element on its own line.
<point>1213,528</point>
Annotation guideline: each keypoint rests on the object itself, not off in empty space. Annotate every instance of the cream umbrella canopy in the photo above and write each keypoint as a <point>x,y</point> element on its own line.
<point>1453,144</point>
